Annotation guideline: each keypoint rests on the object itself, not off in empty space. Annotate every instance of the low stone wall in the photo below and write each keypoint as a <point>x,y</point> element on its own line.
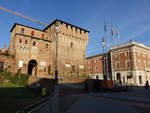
<point>8,62</point>
<point>48,84</point>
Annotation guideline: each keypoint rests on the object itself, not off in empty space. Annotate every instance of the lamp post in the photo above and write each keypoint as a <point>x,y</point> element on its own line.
<point>57,28</point>
<point>103,45</point>
<point>105,59</point>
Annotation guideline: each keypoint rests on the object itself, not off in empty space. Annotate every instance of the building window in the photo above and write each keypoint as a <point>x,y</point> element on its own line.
<point>71,27</point>
<point>140,79</point>
<point>26,41</point>
<point>71,44</point>
<point>34,43</point>
<point>127,53</point>
<point>127,64</point>
<point>67,26</point>
<point>117,65</point>
<point>32,33</point>
<point>46,45</point>
<point>45,69</point>
<point>80,31</point>
<point>76,29</point>
<point>116,55</point>
<point>42,35</point>
<point>22,31</point>
<point>20,40</point>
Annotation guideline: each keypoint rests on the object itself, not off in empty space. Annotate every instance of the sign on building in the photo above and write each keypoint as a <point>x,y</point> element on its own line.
<point>81,66</point>
<point>20,63</point>
<point>67,65</point>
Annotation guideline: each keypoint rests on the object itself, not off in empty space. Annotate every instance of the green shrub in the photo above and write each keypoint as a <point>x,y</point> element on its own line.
<point>7,75</point>
<point>22,79</point>
<point>19,78</point>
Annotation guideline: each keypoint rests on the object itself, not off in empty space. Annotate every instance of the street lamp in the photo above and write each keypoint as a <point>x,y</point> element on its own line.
<point>103,45</point>
<point>105,58</point>
<point>57,28</point>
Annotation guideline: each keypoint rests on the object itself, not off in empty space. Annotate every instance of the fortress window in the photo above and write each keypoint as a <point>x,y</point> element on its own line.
<point>34,43</point>
<point>45,69</point>
<point>42,35</point>
<point>20,40</point>
<point>22,31</point>
<point>71,44</point>
<point>66,26</point>
<point>80,31</point>
<point>32,33</point>
<point>26,41</point>
<point>71,27</point>
<point>76,29</point>
<point>46,45</point>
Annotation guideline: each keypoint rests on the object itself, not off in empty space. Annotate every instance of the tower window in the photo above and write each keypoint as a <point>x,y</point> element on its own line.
<point>22,31</point>
<point>34,43</point>
<point>66,26</point>
<point>42,35</point>
<point>71,44</point>
<point>32,33</point>
<point>80,31</point>
<point>46,45</point>
<point>26,41</point>
<point>20,40</point>
<point>71,27</point>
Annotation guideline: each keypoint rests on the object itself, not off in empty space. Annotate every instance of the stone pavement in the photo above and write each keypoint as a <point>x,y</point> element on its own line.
<point>87,104</point>
<point>123,96</point>
<point>110,102</point>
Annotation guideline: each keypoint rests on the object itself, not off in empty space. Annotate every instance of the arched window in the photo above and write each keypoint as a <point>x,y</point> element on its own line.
<point>34,43</point>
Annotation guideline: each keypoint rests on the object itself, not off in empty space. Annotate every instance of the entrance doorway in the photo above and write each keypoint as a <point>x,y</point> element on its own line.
<point>32,67</point>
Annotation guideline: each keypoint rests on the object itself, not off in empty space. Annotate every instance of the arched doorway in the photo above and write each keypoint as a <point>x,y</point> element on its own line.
<point>32,67</point>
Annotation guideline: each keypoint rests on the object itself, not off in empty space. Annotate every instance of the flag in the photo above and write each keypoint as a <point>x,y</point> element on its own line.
<point>105,27</point>
<point>114,31</point>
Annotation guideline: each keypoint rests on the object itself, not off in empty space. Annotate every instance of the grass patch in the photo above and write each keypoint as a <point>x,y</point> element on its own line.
<point>15,96</point>
<point>9,85</point>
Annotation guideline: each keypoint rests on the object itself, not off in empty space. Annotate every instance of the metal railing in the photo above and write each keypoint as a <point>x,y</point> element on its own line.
<point>51,101</point>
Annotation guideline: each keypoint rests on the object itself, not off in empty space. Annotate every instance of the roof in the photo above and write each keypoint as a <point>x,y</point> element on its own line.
<point>65,23</point>
<point>101,54</point>
<point>129,44</point>
<point>24,26</point>
<point>47,26</point>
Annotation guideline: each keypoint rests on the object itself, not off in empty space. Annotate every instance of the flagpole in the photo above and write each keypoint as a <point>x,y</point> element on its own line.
<point>105,30</point>
<point>118,37</point>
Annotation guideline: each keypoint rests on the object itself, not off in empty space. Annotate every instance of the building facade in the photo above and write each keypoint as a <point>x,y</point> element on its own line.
<point>35,50</point>
<point>128,64</point>
<point>95,66</point>
<point>72,42</point>
<point>131,64</point>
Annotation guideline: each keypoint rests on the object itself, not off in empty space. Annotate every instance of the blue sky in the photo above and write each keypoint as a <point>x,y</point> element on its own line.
<point>131,17</point>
